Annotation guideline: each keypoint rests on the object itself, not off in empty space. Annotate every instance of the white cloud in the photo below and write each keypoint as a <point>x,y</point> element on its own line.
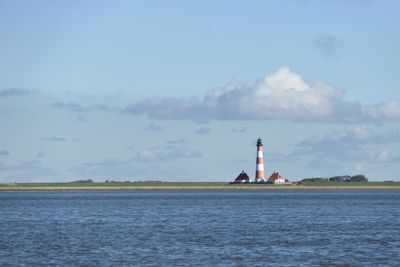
<point>389,110</point>
<point>379,154</point>
<point>282,95</point>
<point>359,132</point>
<point>146,154</point>
<point>359,166</point>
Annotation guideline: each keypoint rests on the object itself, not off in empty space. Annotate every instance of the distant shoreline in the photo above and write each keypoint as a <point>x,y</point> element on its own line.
<point>59,187</point>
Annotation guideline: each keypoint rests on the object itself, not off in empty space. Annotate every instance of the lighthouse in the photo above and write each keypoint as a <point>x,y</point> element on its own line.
<point>260,162</point>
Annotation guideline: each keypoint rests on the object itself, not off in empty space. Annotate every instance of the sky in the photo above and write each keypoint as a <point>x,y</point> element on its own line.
<point>181,90</point>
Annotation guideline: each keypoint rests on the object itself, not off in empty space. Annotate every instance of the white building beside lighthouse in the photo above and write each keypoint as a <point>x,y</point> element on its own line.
<point>276,178</point>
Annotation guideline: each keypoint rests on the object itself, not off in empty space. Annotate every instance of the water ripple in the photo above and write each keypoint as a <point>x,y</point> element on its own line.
<point>200,228</point>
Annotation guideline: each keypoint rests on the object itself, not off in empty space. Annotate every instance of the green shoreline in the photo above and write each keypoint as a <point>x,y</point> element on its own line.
<point>193,186</point>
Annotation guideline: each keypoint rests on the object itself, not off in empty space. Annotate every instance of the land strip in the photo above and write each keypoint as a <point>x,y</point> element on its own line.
<point>192,186</point>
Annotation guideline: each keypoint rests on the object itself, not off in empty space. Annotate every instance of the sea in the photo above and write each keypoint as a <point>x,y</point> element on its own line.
<point>200,228</point>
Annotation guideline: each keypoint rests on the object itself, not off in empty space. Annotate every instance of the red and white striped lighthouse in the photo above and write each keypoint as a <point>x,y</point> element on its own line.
<point>260,162</point>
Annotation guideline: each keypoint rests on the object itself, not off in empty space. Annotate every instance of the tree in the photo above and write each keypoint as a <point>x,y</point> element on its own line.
<point>359,178</point>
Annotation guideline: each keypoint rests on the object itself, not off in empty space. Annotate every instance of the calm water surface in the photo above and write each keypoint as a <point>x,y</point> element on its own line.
<point>200,228</point>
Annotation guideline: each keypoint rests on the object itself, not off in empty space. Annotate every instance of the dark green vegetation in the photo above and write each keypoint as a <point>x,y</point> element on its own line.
<point>348,178</point>
<point>344,178</point>
<point>328,183</point>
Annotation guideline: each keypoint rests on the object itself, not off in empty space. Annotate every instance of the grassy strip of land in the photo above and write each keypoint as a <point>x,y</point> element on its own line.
<point>75,186</point>
<point>119,184</point>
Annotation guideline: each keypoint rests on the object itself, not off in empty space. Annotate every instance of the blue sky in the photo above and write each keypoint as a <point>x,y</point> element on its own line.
<point>181,90</point>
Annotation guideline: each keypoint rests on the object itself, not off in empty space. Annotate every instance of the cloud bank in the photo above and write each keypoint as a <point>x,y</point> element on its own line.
<point>137,167</point>
<point>353,144</point>
<point>282,95</point>
<point>355,149</point>
<point>15,170</point>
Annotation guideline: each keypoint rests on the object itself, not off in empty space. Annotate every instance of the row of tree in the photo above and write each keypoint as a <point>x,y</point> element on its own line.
<point>343,178</point>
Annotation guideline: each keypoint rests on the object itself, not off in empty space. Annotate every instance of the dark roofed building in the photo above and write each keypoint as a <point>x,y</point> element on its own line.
<point>242,178</point>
